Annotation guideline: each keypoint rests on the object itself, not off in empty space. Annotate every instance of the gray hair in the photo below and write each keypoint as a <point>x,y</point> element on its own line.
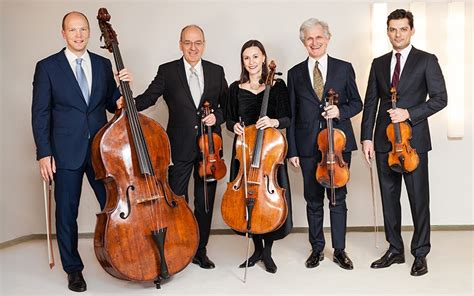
<point>313,22</point>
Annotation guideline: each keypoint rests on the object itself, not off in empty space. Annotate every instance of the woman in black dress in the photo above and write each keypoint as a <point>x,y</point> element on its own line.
<point>245,101</point>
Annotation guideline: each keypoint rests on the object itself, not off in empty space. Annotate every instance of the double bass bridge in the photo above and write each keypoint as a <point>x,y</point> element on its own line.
<point>148,198</point>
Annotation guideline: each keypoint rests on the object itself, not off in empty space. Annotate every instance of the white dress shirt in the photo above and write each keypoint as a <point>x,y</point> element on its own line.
<point>323,67</point>
<point>403,58</point>
<point>86,65</point>
<point>199,73</point>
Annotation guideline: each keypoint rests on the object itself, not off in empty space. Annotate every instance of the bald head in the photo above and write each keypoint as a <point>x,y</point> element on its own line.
<point>73,13</point>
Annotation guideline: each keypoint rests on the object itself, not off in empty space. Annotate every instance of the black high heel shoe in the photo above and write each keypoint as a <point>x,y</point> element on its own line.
<point>270,265</point>
<point>256,256</point>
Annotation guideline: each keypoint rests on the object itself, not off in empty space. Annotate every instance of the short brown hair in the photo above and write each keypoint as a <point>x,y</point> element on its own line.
<point>399,14</point>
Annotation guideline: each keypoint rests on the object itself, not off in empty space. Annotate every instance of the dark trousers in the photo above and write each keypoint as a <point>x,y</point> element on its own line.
<point>179,175</point>
<point>417,186</point>
<point>67,193</point>
<point>314,196</point>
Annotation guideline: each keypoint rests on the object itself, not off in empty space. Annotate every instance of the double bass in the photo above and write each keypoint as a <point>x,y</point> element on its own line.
<point>145,232</point>
<point>211,166</point>
<point>403,158</point>
<point>254,202</point>
<point>332,171</point>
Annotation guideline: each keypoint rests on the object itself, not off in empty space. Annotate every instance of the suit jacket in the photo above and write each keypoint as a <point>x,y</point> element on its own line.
<point>421,75</point>
<point>184,116</point>
<point>306,108</point>
<point>62,122</point>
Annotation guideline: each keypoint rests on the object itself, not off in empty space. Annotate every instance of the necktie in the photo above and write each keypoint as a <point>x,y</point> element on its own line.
<point>396,71</point>
<point>194,86</point>
<point>318,83</point>
<point>82,80</point>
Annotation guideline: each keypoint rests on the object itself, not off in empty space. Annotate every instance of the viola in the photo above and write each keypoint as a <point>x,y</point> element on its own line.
<point>212,166</point>
<point>145,232</point>
<point>253,202</point>
<point>402,158</point>
<point>332,171</point>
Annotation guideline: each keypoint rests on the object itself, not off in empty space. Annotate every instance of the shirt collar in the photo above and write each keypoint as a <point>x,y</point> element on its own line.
<point>404,52</point>
<point>71,57</point>
<point>197,67</point>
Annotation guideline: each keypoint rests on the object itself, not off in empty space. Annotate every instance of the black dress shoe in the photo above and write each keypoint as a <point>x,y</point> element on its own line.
<point>256,256</point>
<point>270,265</point>
<point>419,266</point>
<point>76,282</point>
<point>314,259</point>
<point>343,260</point>
<point>388,259</point>
<point>203,261</point>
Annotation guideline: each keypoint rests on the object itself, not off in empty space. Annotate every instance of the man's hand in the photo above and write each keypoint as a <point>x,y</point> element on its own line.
<point>368,150</point>
<point>209,120</point>
<point>398,115</point>
<point>120,103</point>
<point>124,75</point>
<point>331,111</point>
<point>295,161</point>
<point>47,167</point>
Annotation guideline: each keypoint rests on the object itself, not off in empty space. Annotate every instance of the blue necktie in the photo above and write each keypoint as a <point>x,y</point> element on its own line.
<point>82,80</point>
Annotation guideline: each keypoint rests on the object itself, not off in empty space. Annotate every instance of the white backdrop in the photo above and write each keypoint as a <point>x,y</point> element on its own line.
<point>148,32</point>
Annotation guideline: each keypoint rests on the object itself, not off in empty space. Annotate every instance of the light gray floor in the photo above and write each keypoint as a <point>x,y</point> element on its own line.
<point>24,270</point>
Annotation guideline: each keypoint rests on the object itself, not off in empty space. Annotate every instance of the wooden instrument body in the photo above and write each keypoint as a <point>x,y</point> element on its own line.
<point>402,157</point>
<point>214,167</point>
<point>125,246</point>
<point>332,164</point>
<point>270,209</point>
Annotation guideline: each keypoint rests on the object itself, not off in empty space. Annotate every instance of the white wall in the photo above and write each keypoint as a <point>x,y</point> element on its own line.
<point>148,33</point>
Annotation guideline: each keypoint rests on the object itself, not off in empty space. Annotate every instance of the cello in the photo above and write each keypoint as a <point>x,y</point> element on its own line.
<point>332,171</point>
<point>145,232</point>
<point>403,158</point>
<point>212,166</point>
<point>253,202</point>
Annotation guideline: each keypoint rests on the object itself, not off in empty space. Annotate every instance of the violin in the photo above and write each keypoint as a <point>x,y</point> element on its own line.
<point>145,232</point>
<point>212,166</point>
<point>332,171</point>
<point>402,158</point>
<point>254,202</point>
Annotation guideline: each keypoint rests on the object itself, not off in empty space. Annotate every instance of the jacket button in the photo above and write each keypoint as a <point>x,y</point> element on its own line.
<point>195,127</point>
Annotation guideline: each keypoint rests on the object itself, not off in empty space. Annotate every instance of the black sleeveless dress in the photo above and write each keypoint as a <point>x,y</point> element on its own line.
<point>246,105</point>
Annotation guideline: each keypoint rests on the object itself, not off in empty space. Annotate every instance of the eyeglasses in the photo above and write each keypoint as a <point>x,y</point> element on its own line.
<point>188,43</point>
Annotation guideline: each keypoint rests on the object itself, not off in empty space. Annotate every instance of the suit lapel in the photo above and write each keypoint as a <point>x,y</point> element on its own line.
<point>386,69</point>
<point>184,80</point>
<point>307,79</point>
<point>329,76</point>
<point>95,78</point>
<point>408,68</point>
<point>64,65</point>
<point>207,80</point>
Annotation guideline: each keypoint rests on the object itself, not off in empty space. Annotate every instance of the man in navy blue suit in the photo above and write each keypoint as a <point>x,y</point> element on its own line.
<point>308,85</point>
<point>71,91</point>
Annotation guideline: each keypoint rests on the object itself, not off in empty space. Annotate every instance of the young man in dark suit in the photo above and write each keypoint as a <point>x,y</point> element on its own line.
<point>415,74</point>
<point>185,85</point>
<point>71,91</point>
<point>308,85</point>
